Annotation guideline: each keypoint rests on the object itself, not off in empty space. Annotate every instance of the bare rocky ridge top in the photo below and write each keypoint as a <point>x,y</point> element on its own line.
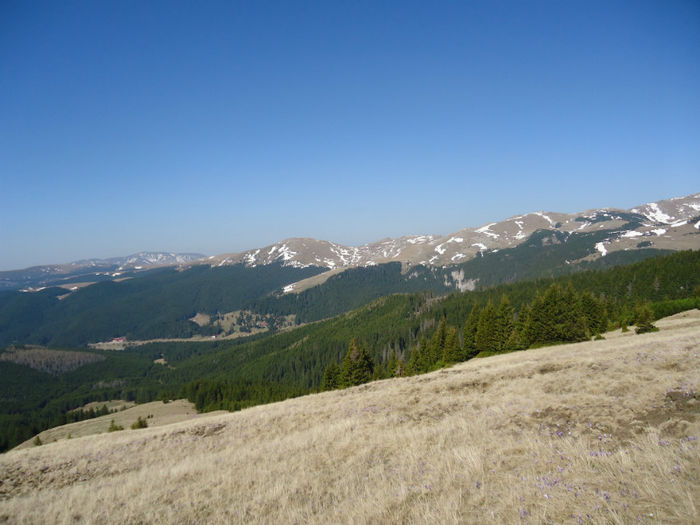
<point>668,224</point>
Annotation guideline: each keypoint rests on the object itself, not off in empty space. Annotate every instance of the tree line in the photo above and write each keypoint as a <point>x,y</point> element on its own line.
<point>558,315</point>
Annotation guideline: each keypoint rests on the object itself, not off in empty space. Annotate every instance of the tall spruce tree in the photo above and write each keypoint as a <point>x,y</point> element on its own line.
<point>486,339</point>
<point>357,366</point>
<point>595,314</point>
<point>436,345</point>
<point>517,340</point>
<point>331,377</point>
<point>451,352</point>
<point>555,317</point>
<point>504,323</point>
<point>574,328</point>
<point>469,333</point>
<point>417,364</point>
<point>392,364</point>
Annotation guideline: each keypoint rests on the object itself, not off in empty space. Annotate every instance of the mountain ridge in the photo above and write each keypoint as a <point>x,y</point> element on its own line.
<point>662,224</point>
<point>671,224</point>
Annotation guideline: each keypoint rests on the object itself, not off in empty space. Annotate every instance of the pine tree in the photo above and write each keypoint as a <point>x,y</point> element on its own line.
<point>644,319</point>
<point>451,352</point>
<point>485,338</point>
<point>555,317</point>
<point>469,333</point>
<point>357,366</point>
<point>392,365</point>
<point>595,314</point>
<point>436,345</point>
<point>516,340</point>
<point>419,358</point>
<point>331,377</point>
<point>574,321</point>
<point>504,323</point>
<point>379,372</point>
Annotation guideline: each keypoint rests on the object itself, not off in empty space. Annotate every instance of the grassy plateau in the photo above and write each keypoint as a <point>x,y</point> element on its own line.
<point>595,432</point>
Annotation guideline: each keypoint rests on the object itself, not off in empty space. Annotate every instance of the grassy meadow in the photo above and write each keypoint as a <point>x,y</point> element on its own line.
<point>594,432</point>
<point>155,414</point>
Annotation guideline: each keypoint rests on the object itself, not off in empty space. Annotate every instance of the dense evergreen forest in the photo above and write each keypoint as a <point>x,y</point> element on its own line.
<point>158,304</point>
<point>393,335</point>
<point>161,303</point>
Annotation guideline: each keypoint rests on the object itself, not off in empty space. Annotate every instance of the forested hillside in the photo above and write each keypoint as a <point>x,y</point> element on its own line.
<point>158,304</point>
<point>297,360</point>
<point>404,333</point>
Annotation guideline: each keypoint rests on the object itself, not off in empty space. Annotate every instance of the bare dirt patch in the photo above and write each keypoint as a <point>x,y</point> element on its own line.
<point>201,319</point>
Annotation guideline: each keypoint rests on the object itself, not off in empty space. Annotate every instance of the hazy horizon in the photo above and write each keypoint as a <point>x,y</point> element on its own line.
<point>260,245</point>
<point>170,126</point>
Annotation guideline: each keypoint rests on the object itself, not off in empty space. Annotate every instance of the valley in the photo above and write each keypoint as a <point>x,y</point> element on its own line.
<point>599,431</point>
<point>396,329</point>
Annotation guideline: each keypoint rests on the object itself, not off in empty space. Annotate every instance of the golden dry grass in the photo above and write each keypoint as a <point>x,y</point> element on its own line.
<point>596,432</point>
<point>156,414</point>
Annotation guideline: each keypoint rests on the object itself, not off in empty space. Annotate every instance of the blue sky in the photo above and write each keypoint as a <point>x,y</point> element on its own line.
<point>221,126</point>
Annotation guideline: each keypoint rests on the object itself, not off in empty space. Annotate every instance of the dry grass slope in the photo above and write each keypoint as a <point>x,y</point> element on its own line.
<point>156,414</point>
<point>596,432</point>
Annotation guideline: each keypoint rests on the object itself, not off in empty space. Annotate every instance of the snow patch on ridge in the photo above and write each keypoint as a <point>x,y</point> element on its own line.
<point>631,234</point>
<point>250,258</point>
<point>421,239</point>
<point>485,230</point>
<point>655,214</point>
<point>541,214</point>
<point>601,248</point>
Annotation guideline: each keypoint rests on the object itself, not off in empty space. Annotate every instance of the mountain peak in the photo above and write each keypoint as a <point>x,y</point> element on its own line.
<point>665,223</point>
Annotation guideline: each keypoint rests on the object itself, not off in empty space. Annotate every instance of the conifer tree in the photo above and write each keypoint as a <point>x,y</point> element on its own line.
<point>594,313</point>
<point>504,323</point>
<point>357,366</point>
<point>556,317</point>
<point>485,338</point>
<point>517,340</point>
<point>451,352</point>
<point>331,377</point>
<point>469,333</point>
<point>379,372</point>
<point>644,319</point>
<point>575,328</point>
<point>436,345</point>
<point>392,365</point>
<point>422,357</point>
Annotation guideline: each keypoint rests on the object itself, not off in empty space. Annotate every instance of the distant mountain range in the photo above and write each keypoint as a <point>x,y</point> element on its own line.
<point>90,270</point>
<point>672,224</point>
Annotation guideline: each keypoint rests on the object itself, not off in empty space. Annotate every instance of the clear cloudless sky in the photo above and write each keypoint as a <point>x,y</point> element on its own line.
<point>217,127</point>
